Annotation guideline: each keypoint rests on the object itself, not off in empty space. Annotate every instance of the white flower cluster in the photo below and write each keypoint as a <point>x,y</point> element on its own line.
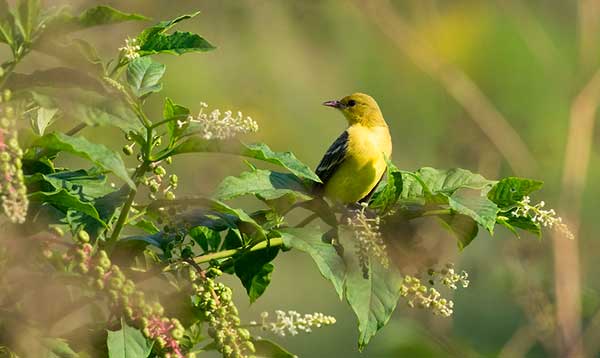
<point>215,125</point>
<point>448,277</point>
<point>420,296</point>
<point>369,241</point>
<point>130,49</point>
<point>547,218</point>
<point>292,322</point>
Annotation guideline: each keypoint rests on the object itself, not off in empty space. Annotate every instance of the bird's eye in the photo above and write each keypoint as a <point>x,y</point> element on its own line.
<point>351,103</point>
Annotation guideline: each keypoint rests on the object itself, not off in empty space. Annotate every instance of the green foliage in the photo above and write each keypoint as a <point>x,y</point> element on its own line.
<point>143,76</point>
<point>81,147</point>
<point>155,39</point>
<point>186,243</point>
<point>127,342</point>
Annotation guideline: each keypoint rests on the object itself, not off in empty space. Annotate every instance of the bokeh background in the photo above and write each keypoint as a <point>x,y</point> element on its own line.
<point>501,87</point>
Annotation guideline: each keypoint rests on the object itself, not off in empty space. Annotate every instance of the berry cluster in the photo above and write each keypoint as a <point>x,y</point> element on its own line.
<point>214,300</point>
<point>123,295</point>
<point>13,193</point>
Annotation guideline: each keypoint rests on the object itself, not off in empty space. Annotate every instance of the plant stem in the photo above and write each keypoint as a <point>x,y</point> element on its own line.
<point>160,123</point>
<point>126,207</point>
<point>274,242</point>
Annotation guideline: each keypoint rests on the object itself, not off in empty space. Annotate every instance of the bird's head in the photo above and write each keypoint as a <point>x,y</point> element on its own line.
<point>359,108</point>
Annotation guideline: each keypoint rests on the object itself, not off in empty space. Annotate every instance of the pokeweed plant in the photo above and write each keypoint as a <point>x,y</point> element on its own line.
<point>102,243</point>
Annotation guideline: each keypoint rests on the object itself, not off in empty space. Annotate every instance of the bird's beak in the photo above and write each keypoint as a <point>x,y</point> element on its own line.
<point>334,103</point>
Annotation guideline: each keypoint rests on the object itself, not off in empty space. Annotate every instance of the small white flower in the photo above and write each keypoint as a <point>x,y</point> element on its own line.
<point>215,125</point>
<point>547,218</point>
<point>131,49</point>
<point>292,322</point>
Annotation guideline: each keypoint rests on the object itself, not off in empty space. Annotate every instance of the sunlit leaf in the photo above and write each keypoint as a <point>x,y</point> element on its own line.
<point>325,256</point>
<point>143,76</point>
<point>155,40</point>
<point>508,191</point>
<point>268,349</point>
<point>372,299</point>
<point>478,207</point>
<point>265,183</point>
<point>128,342</point>
<point>287,160</point>
<point>79,146</point>
<point>384,199</point>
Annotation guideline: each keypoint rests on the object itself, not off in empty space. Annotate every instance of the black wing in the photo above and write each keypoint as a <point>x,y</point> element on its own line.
<point>333,158</point>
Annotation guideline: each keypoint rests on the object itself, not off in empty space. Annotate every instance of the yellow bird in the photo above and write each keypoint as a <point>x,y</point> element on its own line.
<point>355,162</point>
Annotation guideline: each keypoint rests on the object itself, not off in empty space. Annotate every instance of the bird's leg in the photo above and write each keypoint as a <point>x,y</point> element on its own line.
<point>332,237</point>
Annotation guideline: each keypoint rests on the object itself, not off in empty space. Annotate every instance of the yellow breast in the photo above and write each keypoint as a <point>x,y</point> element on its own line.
<point>364,164</point>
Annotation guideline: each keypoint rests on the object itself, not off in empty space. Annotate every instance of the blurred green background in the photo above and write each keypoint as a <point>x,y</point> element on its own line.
<point>492,86</point>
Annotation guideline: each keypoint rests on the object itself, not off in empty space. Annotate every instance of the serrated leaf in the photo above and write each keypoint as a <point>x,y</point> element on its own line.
<point>254,271</point>
<point>128,342</point>
<point>155,40</point>
<point>508,191</point>
<point>325,256</point>
<point>287,160</point>
<point>81,147</point>
<point>268,349</point>
<point>265,183</point>
<point>143,76</point>
<point>478,207</point>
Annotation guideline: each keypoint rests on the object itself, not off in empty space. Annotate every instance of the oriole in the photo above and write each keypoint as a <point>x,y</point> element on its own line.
<point>355,162</point>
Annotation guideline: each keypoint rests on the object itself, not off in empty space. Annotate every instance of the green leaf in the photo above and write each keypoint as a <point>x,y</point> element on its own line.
<point>43,118</point>
<point>208,239</point>
<point>79,146</point>
<point>478,207</point>
<point>265,183</point>
<point>105,15</point>
<point>521,222</point>
<point>268,349</point>
<point>508,191</point>
<point>64,21</point>
<point>325,256</point>
<point>143,76</point>
<point>195,145</point>
<point>463,227</point>
<point>430,182</point>
<point>88,107</point>
<point>173,110</point>
<point>26,18</point>
<point>128,342</point>
<point>6,23</point>
<point>385,198</point>
<point>373,299</point>
<point>58,348</point>
<point>254,271</point>
<point>65,201</point>
<point>287,160</point>
<point>155,40</point>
